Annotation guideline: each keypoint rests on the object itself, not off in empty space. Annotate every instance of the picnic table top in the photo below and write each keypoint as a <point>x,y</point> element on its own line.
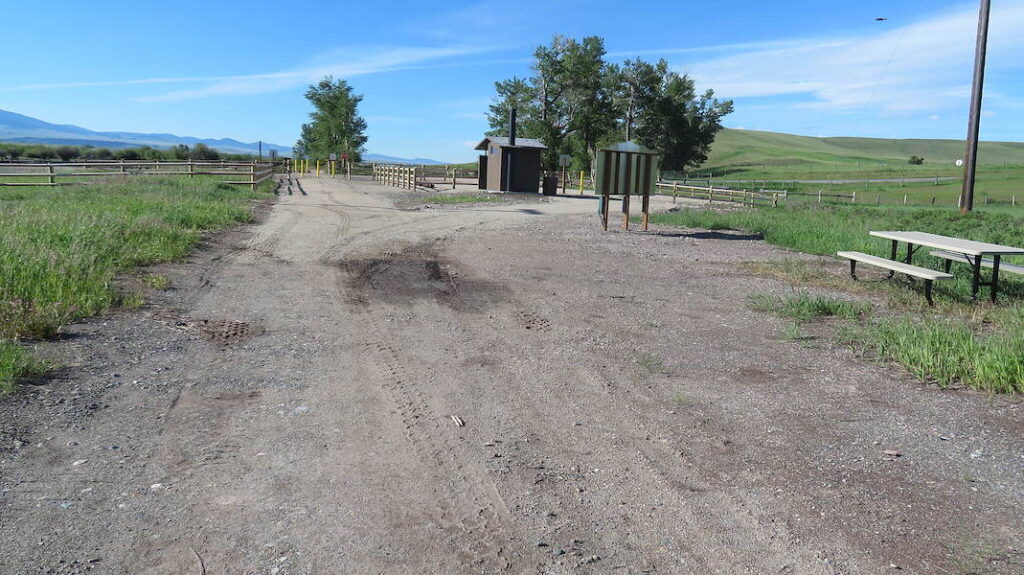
<point>968,247</point>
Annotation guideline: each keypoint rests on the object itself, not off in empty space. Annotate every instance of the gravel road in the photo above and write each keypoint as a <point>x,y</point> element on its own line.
<point>361,384</point>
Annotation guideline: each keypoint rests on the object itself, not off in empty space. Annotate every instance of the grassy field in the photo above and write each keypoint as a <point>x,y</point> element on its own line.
<point>744,159</point>
<point>754,155</point>
<point>61,248</point>
<point>959,342</point>
<point>989,188</point>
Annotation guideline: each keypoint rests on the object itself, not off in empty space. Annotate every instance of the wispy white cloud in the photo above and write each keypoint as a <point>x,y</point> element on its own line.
<point>923,67</point>
<point>340,63</point>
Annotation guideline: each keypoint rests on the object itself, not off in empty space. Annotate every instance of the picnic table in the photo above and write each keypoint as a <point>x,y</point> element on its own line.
<point>955,249</point>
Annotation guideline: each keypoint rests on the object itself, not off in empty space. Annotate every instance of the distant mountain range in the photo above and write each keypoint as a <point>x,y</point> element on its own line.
<point>24,129</point>
<point>19,128</point>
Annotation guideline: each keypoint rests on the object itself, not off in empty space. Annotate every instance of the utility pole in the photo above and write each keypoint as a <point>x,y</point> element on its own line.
<point>971,159</point>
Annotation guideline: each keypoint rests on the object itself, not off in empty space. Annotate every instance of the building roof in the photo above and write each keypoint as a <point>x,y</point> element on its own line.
<point>503,142</point>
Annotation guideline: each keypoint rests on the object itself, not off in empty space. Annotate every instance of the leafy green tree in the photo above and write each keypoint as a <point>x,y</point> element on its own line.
<point>589,99</point>
<point>565,102</point>
<point>180,152</point>
<point>336,125</point>
<point>201,151</point>
<point>128,154</point>
<point>66,153</point>
<point>512,93</point>
<point>575,101</point>
<point>41,152</point>
<point>98,154</point>
<point>634,92</point>
<point>671,118</point>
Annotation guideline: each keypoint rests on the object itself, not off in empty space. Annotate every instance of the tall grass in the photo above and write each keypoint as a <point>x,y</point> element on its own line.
<point>805,307</point>
<point>60,248</point>
<point>942,349</point>
<point>949,352</point>
<point>935,349</point>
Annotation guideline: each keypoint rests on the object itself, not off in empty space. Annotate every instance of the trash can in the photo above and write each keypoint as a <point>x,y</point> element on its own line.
<point>550,186</point>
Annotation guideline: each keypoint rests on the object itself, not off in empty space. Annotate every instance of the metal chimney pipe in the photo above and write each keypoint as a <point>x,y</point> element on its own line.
<point>512,127</point>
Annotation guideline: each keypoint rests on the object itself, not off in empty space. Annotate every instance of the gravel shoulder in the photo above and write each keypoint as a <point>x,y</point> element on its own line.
<point>348,386</point>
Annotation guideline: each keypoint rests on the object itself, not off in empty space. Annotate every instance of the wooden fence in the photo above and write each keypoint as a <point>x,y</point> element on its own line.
<point>712,194</point>
<point>444,177</point>
<point>63,174</point>
<point>396,175</point>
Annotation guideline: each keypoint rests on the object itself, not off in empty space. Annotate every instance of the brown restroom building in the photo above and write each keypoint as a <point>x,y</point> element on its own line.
<point>510,166</point>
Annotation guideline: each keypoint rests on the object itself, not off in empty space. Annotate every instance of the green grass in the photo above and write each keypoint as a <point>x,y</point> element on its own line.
<point>754,154</point>
<point>950,352</point>
<point>156,282</point>
<point>946,351</point>
<point>15,363</point>
<point>60,248</point>
<point>804,307</point>
<point>744,159</point>
<point>826,229</point>
<point>461,198</point>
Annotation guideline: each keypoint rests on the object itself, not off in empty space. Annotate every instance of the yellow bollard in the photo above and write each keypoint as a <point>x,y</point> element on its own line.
<point>581,182</point>
<point>318,168</point>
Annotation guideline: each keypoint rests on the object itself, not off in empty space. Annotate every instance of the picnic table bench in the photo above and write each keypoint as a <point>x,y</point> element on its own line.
<point>893,266</point>
<point>951,249</point>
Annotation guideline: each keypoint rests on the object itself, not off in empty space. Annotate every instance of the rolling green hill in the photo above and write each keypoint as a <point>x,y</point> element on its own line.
<point>735,149</point>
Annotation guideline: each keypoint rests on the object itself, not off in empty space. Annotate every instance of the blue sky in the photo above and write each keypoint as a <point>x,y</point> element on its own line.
<point>427,70</point>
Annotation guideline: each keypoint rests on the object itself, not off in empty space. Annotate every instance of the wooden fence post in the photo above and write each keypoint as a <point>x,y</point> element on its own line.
<point>49,170</point>
<point>252,176</point>
<point>853,198</point>
<point>675,190</point>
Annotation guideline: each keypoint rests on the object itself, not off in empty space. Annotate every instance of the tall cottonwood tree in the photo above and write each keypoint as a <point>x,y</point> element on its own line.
<point>336,126</point>
<point>575,101</point>
<point>661,110</point>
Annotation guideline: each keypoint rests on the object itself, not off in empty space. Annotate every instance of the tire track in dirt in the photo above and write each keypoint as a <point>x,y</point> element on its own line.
<point>468,507</point>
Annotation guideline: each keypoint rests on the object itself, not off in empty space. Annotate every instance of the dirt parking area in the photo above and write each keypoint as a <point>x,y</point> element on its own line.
<point>356,384</point>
